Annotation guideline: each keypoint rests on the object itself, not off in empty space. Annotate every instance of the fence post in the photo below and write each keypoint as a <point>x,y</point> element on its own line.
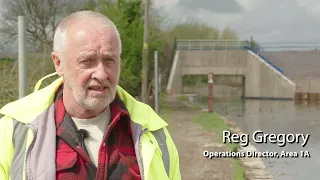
<point>21,58</point>
<point>210,93</point>
<point>156,82</point>
<point>251,42</point>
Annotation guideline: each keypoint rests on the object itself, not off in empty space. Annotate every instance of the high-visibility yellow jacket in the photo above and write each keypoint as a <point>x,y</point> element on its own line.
<point>28,138</point>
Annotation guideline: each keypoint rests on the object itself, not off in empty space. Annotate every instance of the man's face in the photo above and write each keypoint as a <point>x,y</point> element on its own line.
<point>91,66</point>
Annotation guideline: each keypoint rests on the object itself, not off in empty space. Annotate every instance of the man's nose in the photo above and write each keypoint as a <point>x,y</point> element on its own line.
<point>100,72</point>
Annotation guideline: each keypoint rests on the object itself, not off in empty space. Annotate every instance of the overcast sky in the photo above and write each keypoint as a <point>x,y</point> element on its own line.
<point>265,20</point>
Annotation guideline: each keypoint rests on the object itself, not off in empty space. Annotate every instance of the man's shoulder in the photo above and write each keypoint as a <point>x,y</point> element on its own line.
<point>140,112</point>
<point>28,106</point>
<point>5,122</point>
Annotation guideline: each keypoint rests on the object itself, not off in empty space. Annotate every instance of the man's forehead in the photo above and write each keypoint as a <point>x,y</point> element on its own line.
<point>79,35</point>
<point>108,53</point>
<point>86,37</point>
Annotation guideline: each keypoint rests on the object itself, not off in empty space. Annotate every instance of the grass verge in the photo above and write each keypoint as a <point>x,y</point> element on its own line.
<point>184,99</point>
<point>209,121</point>
<point>214,122</point>
<point>164,111</point>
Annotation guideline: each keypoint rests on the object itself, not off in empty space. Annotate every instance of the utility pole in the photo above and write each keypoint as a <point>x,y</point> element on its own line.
<point>144,83</point>
<point>22,56</point>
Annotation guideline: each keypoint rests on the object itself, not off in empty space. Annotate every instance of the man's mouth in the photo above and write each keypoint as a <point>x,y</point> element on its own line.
<point>97,88</point>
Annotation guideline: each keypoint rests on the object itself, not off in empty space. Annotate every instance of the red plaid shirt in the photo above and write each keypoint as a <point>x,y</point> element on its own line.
<point>117,158</point>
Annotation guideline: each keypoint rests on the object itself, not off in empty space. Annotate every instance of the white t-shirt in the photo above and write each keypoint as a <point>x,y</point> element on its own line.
<point>96,127</point>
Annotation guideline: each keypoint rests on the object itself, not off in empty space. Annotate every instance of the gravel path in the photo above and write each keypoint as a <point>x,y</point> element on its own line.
<point>191,140</point>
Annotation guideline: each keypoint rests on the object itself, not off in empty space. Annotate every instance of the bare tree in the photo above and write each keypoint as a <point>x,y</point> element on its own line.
<point>42,18</point>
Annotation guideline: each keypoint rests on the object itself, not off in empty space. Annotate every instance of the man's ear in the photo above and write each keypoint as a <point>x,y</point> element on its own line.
<point>57,63</point>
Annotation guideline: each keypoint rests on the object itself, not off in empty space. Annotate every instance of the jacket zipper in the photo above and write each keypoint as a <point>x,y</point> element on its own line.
<point>141,159</point>
<point>29,148</point>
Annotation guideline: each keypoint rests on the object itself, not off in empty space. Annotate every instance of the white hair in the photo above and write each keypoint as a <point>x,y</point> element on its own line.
<point>60,35</point>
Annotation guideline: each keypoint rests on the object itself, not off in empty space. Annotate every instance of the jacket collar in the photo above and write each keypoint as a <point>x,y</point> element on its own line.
<point>29,107</point>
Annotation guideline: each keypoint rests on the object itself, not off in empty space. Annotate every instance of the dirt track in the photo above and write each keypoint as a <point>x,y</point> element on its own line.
<point>191,140</point>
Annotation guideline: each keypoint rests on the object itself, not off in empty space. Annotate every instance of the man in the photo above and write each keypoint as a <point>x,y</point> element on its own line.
<point>83,125</point>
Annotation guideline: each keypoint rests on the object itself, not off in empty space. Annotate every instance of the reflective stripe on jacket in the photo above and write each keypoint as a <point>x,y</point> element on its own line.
<point>28,138</point>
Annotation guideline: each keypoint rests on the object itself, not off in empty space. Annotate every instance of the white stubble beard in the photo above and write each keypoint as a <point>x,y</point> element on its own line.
<point>81,97</point>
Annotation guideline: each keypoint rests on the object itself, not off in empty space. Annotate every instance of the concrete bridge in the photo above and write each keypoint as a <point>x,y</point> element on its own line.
<point>302,67</point>
<point>261,79</point>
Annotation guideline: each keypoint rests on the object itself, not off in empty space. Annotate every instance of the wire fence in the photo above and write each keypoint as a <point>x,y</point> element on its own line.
<point>289,46</point>
<point>203,45</point>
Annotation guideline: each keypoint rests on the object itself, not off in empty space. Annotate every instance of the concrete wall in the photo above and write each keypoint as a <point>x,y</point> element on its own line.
<point>175,78</point>
<point>296,64</point>
<point>308,86</point>
<point>263,81</point>
<point>302,67</point>
<point>218,91</point>
<point>217,62</point>
<point>205,62</point>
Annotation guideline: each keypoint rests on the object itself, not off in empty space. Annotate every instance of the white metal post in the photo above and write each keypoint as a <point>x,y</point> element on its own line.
<point>21,58</point>
<point>156,82</point>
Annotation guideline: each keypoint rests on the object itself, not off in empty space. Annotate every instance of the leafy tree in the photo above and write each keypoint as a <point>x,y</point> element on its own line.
<point>127,16</point>
<point>228,34</point>
<point>192,30</point>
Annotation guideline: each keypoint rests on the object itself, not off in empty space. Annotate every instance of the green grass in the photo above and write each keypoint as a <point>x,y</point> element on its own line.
<point>165,114</point>
<point>238,170</point>
<point>196,107</point>
<point>164,111</point>
<point>162,100</point>
<point>211,122</point>
<point>38,66</point>
<point>183,98</point>
<point>214,122</point>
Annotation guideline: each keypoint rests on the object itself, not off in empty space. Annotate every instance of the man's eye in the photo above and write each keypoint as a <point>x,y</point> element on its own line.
<point>109,60</point>
<point>86,61</point>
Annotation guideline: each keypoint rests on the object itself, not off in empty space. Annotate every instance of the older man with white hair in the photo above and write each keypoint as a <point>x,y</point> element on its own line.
<point>83,125</point>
